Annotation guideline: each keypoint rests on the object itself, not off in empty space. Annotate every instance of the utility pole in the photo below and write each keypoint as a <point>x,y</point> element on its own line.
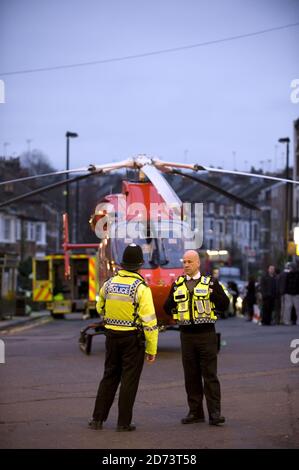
<point>68,135</point>
<point>286,140</point>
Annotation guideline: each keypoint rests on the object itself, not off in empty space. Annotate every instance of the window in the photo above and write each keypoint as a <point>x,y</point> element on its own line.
<point>30,231</point>
<point>160,249</point>
<point>24,230</point>
<point>8,188</point>
<point>211,207</point>
<point>255,232</point>
<point>38,233</point>
<point>18,229</point>
<point>7,229</point>
<point>42,270</point>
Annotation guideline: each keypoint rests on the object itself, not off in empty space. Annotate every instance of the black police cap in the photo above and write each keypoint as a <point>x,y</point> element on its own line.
<point>132,257</point>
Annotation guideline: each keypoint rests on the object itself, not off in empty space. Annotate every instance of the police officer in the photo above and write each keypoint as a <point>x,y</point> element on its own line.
<point>192,302</point>
<point>131,331</point>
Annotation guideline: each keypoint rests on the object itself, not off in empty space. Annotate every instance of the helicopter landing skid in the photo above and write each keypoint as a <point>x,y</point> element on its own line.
<point>87,334</point>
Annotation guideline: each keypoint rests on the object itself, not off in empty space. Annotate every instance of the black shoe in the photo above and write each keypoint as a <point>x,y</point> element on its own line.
<point>216,420</point>
<point>192,418</point>
<point>94,424</point>
<point>128,427</point>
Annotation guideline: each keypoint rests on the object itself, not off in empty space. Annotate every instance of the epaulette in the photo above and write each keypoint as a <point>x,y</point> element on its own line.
<point>205,279</point>
<point>180,280</point>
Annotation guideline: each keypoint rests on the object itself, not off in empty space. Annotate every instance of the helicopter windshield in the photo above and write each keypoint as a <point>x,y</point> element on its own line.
<point>161,246</point>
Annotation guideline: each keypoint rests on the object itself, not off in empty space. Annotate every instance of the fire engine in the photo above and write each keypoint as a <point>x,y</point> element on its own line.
<point>65,295</point>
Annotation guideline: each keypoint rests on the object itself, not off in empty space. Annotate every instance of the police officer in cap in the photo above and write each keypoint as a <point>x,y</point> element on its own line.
<point>131,331</point>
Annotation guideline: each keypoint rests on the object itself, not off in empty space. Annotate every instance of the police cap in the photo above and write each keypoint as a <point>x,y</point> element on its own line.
<point>132,257</point>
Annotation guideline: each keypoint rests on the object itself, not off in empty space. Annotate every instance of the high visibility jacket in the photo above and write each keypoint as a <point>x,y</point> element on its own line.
<point>58,296</point>
<point>226,291</point>
<point>193,308</point>
<point>126,303</point>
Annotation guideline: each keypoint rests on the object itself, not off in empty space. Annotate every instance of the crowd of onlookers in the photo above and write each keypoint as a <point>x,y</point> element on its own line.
<point>275,296</point>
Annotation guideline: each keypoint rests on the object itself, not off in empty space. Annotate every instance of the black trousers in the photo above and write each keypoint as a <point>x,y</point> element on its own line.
<point>123,365</point>
<point>267,309</point>
<point>199,356</point>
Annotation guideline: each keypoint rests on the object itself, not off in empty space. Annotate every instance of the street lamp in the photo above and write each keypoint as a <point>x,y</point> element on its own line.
<point>286,140</point>
<point>296,239</point>
<point>68,135</point>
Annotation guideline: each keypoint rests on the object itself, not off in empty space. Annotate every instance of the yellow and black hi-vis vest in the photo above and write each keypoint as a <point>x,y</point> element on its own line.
<point>126,303</point>
<point>120,300</point>
<point>193,308</point>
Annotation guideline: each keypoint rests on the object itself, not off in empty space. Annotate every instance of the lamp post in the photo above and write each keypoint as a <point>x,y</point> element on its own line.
<point>296,239</point>
<point>286,140</point>
<point>68,135</point>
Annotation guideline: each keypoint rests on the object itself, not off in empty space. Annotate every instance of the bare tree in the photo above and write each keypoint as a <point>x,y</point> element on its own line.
<point>36,162</point>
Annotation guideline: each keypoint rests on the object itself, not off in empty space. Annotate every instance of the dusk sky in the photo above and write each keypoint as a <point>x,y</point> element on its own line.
<point>220,104</point>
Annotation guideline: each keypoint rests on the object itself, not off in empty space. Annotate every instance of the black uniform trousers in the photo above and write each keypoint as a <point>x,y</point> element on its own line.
<point>267,309</point>
<point>123,365</point>
<point>199,356</point>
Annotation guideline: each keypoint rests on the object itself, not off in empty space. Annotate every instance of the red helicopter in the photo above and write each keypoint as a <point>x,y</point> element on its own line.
<point>147,212</point>
<point>154,213</point>
<point>154,232</point>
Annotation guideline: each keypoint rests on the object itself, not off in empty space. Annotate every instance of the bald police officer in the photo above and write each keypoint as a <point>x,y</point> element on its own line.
<point>131,330</point>
<point>192,302</point>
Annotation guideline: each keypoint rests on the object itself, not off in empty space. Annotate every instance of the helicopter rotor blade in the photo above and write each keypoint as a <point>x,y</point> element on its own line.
<point>91,168</point>
<point>141,161</point>
<point>55,173</point>
<point>197,167</point>
<point>186,166</point>
<point>255,175</point>
<point>43,189</point>
<point>129,163</point>
<point>217,189</point>
<point>162,186</point>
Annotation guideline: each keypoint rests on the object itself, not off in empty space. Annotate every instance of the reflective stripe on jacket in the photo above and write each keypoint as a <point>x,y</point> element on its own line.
<point>196,307</point>
<point>126,303</point>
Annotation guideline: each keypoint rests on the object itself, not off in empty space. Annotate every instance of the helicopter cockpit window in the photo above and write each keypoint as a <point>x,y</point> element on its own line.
<point>161,245</point>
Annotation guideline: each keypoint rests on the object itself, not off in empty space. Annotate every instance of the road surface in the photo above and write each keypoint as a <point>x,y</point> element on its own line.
<point>48,387</point>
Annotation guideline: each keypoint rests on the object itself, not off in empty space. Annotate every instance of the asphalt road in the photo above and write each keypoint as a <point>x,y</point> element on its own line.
<point>48,387</point>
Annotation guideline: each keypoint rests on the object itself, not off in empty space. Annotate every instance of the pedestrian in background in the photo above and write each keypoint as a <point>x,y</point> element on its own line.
<point>278,299</point>
<point>290,288</point>
<point>250,298</point>
<point>269,293</point>
<point>234,291</point>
